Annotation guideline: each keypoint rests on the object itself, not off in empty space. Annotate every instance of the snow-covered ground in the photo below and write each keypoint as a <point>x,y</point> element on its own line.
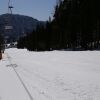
<point>54,75</point>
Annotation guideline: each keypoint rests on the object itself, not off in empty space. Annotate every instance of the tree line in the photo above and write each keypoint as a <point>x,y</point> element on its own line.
<point>75,26</point>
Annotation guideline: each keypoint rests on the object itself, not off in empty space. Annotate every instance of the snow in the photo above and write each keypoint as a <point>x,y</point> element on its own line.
<point>53,75</point>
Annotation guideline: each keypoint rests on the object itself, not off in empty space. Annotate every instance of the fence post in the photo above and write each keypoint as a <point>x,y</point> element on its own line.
<point>0,55</point>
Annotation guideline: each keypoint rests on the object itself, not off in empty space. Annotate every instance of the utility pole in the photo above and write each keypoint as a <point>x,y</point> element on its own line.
<point>10,7</point>
<point>8,20</point>
<point>1,44</point>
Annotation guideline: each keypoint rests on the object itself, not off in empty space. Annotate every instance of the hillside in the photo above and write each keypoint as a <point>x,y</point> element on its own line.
<point>21,25</point>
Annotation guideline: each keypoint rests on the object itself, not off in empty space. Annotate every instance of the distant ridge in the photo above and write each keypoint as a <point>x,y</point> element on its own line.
<point>22,25</point>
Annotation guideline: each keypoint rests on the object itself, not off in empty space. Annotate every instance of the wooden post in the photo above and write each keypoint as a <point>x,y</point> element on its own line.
<point>0,55</point>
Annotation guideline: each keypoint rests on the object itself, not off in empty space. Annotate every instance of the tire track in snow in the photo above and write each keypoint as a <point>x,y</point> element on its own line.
<point>36,74</point>
<point>41,92</point>
<point>20,79</point>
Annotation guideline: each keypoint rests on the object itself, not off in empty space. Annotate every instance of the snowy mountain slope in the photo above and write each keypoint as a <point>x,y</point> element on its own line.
<point>55,75</point>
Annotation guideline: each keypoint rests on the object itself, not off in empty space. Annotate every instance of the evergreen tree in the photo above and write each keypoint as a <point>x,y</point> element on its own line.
<point>76,24</point>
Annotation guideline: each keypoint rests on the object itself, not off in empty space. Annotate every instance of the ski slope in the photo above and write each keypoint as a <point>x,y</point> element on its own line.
<point>54,75</point>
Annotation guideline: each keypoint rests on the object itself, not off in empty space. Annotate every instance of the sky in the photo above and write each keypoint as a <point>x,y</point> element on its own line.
<point>39,9</point>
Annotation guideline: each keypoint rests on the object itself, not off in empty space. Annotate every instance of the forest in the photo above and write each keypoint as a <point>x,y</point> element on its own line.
<point>75,26</point>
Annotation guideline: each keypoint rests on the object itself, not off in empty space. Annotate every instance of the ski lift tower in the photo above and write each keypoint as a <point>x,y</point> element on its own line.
<point>10,7</point>
<point>8,22</point>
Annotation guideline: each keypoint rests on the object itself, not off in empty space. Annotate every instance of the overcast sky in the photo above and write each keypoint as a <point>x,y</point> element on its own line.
<point>39,9</point>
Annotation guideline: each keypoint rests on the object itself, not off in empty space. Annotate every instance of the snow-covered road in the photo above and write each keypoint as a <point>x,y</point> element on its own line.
<point>10,86</point>
<point>55,75</point>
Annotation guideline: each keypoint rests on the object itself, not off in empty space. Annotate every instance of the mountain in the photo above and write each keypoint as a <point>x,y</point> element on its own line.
<point>14,26</point>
